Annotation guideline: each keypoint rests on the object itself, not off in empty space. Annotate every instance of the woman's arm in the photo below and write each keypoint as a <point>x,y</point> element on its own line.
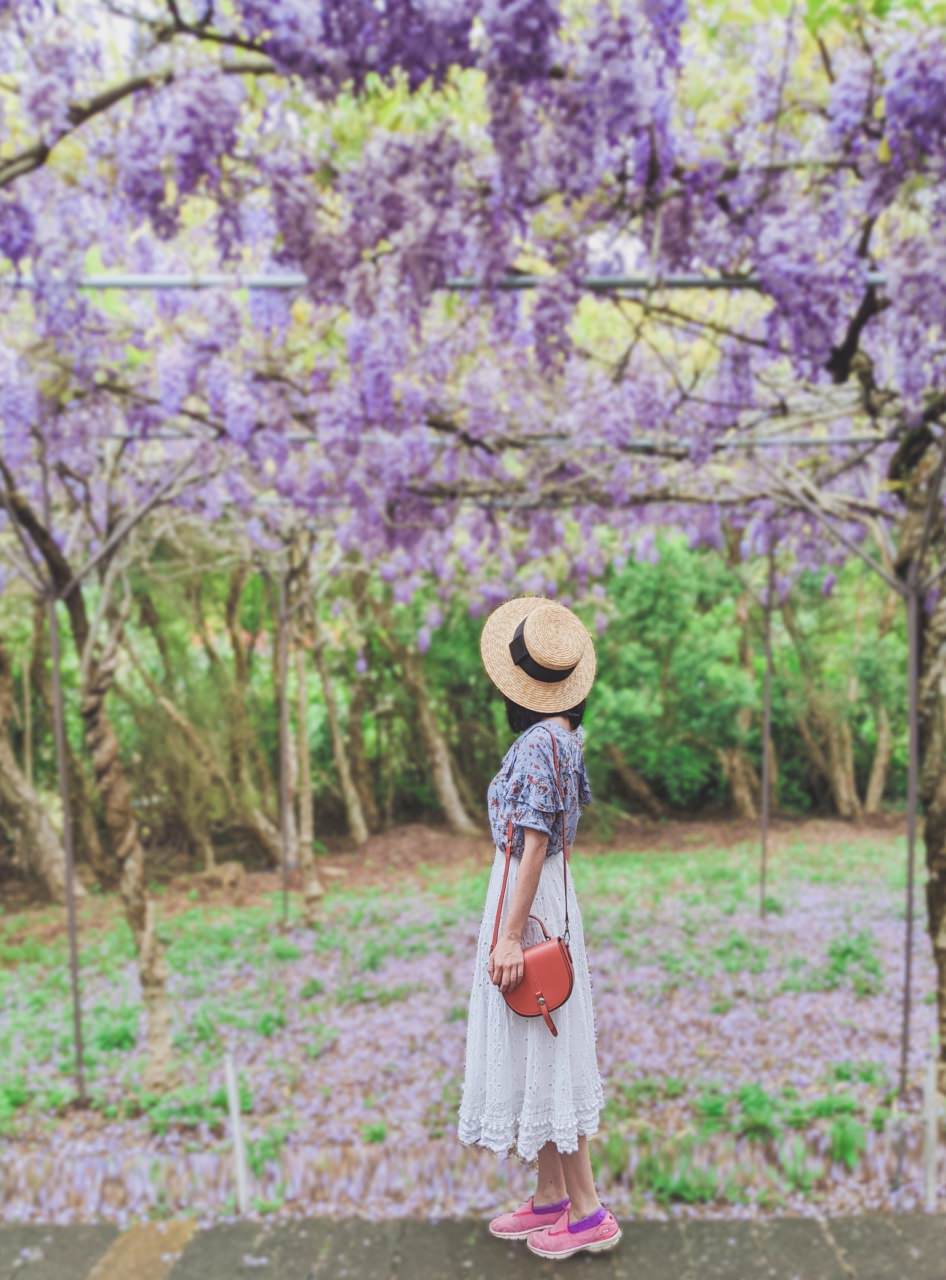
<point>505,962</point>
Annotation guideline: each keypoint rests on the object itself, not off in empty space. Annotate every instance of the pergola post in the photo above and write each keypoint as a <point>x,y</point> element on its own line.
<point>766,724</point>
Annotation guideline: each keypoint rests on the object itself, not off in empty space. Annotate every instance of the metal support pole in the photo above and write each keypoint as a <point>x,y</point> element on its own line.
<point>282,679</point>
<point>236,1133</point>
<point>464,284</point>
<point>912,788</point>
<point>766,722</point>
<point>932,1111</point>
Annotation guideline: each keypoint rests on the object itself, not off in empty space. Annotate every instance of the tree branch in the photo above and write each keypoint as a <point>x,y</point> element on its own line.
<point>36,155</point>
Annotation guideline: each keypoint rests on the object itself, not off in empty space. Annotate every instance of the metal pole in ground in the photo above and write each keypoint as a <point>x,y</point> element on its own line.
<point>912,787</point>
<point>932,1113</point>
<point>236,1129</point>
<point>282,677</point>
<point>766,723</point>
<point>913,769</point>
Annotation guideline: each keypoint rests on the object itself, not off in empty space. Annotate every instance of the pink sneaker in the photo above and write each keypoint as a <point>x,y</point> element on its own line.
<point>596,1233</point>
<point>520,1224</point>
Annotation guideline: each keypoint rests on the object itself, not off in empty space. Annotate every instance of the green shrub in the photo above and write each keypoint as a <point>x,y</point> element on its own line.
<point>115,1028</point>
<point>13,1095</point>
<point>203,1026</point>
<point>758,1115</point>
<point>738,954</point>
<point>848,1141</point>
<point>800,1171</point>
<point>854,957</point>
<point>615,1152</point>
<point>712,1108</point>
<point>260,1151</point>
<point>672,1175</point>
<point>270,1021</point>
<point>283,949</point>
<point>189,1106</point>
<point>867,1072</point>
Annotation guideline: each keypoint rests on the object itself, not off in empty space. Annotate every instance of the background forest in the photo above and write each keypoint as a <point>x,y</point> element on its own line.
<point>387,699</point>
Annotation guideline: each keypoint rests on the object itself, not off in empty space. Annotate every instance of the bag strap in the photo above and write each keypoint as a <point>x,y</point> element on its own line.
<point>502,892</point>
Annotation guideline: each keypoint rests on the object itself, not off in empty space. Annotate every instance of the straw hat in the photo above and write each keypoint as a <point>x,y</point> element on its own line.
<point>538,653</point>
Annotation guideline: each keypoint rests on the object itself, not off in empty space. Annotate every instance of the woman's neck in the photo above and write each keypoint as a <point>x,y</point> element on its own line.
<point>563,721</point>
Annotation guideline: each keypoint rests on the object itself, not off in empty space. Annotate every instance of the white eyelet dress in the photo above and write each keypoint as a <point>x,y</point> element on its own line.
<point>522,1086</point>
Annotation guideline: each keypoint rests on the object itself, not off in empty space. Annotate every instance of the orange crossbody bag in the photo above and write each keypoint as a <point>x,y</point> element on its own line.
<point>548,973</point>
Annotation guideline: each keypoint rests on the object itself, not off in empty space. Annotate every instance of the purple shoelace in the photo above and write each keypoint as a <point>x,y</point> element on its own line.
<point>551,1208</point>
<point>592,1220</point>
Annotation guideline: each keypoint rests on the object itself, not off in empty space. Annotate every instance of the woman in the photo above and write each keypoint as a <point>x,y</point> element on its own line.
<point>522,1085</point>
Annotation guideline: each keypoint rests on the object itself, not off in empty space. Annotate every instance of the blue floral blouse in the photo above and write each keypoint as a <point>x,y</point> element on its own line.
<point>525,788</point>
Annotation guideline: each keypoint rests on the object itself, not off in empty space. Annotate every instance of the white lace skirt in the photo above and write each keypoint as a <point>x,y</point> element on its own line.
<point>522,1086</point>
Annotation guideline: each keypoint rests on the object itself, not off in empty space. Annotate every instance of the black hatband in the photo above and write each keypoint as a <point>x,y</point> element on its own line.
<point>522,658</point>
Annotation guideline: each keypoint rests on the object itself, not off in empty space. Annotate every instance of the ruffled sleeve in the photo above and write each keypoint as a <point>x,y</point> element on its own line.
<point>532,794</point>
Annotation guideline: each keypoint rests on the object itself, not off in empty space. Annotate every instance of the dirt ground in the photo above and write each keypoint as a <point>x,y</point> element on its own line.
<point>388,858</point>
<point>391,859</point>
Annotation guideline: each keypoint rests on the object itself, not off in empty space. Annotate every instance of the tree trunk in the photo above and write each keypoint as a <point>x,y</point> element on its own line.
<point>357,826</point>
<point>432,738</point>
<point>88,841</point>
<point>387,770</point>
<point>284,711</point>
<point>125,846</point>
<point>360,769</point>
<point>36,844</point>
<point>773,777</point>
<point>312,888</point>
<point>435,745</point>
<point>837,733</point>
<point>880,763</point>
<point>248,813</point>
<point>739,772</point>
<point>826,732</point>
<point>911,469</point>
<point>256,793</point>
<point>235,687</point>
<point>127,849</point>
<point>305,820</point>
<point>816,755</point>
<point>468,797</point>
<point>239,718</point>
<point>150,617</point>
<point>742,779</point>
<point>83,798</point>
<point>27,725</point>
<point>634,783</point>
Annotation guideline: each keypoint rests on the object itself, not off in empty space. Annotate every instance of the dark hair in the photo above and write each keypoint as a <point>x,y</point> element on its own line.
<point>521,718</point>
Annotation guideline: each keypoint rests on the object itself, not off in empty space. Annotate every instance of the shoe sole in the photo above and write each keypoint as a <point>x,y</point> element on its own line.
<point>596,1246</point>
<point>514,1235</point>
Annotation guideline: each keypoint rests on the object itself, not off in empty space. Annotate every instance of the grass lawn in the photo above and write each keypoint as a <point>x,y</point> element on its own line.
<point>749,1066</point>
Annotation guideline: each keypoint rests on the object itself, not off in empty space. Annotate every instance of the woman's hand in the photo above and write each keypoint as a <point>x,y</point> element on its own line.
<point>506,964</point>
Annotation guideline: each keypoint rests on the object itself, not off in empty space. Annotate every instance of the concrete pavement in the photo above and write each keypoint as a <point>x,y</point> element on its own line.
<point>872,1247</point>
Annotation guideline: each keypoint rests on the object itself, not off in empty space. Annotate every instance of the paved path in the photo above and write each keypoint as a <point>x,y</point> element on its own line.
<point>874,1247</point>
